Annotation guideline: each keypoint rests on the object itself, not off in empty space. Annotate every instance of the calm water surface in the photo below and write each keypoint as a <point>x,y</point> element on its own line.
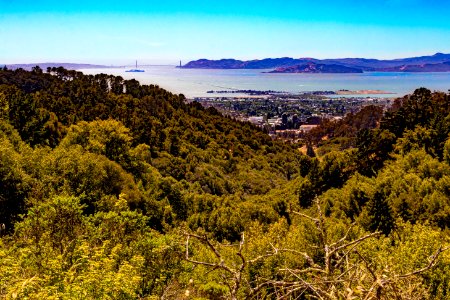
<point>196,82</point>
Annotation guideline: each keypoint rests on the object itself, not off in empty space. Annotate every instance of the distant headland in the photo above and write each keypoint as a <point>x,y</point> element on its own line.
<point>438,62</point>
<point>44,66</point>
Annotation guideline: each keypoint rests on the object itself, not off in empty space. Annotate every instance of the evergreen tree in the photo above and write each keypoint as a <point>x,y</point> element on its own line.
<point>379,214</point>
<point>310,150</point>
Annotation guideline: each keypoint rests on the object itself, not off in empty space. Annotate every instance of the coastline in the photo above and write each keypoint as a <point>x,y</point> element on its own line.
<point>364,92</point>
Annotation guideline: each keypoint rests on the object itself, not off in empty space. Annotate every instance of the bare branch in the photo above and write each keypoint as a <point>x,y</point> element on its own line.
<point>304,254</point>
<point>195,261</point>
<point>432,262</point>
<point>241,246</point>
<point>357,241</point>
<point>344,237</point>
<point>368,267</point>
<point>313,289</point>
<point>306,216</point>
<point>307,270</point>
<point>261,257</point>
<point>345,255</point>
<point>206,240</point>
<point>219,264</point>
<point>376,283</point>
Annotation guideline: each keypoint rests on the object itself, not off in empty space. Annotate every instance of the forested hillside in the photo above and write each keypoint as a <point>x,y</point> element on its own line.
<point>114,190</point>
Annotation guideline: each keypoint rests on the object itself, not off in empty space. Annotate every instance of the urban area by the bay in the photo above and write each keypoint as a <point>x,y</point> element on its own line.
<point>290,116</point>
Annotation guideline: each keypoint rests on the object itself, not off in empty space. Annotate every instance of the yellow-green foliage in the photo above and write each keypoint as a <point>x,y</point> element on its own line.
<point>102,179</point>
<point>59,253</point>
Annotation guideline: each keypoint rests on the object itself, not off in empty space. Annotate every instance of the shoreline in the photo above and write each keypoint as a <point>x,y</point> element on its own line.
<point>364,92</point>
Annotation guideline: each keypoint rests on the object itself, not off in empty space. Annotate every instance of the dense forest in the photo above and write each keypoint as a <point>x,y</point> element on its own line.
<point>110,189</point>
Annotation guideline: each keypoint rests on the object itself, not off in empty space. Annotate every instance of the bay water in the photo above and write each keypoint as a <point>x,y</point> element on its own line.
<point>197,82</point>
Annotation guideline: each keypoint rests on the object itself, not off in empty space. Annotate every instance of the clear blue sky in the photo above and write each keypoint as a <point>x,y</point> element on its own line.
<point>115,32</point>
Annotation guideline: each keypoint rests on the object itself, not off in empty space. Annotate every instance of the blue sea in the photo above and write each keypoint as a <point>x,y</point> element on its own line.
<point>196,82</point>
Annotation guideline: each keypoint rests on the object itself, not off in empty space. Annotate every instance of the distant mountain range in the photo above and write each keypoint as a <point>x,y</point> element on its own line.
<point>439,67</point>
<point>44,66</point>
<point>316,68</point>
<point>438,62</point>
